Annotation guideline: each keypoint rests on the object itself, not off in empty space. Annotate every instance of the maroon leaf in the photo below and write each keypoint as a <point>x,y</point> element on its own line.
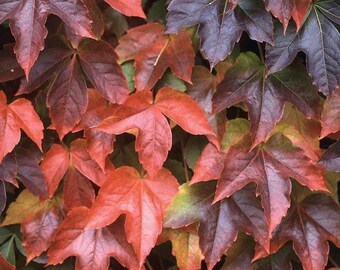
<point>331,157</point>
<point>9,67</point>
<point>220,26</point>
<point>265,96</point>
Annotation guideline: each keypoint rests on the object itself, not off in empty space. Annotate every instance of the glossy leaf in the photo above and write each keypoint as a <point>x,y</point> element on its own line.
<point>142,200</point>
<point>221,26</point>
<point>265,96</point>
<point>92,247</point>
<point>318,38</point>
<point>154,137</point>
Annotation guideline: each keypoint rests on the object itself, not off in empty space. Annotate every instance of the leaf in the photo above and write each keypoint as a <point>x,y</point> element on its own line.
<point>99,144</point>
<point>101,244</point>
<point>330,117</point>
<point>142,200</point>
<point>54,166</point>
<point>309,224</point>
<point>30,174</point>
<point>270,166</point>
<point>154,52</point>
<point>265,96</point>
<point>6,265</point>
<point>19,114</point>
<point>154,137</point>
<point>221,26</point>
<point>27,22</point>
<point>284,10</point>
<point>331,157</point>
<point>9,67</point>
<point>220,222</point>
<point>10,241</point>
<point>185,247</point>
<point>128,7</point>
<point>98,60</point>
<point>39,221</point>
<point>67,98</point>
<point>318,38</point>
<point>302,132</point>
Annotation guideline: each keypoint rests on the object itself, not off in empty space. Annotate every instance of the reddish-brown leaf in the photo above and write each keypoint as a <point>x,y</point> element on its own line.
<point>78,190</point>
<point>330,159</point>
<point>67,98</point>
<point>154,137</point>
<point>156,53</point>
<point>18,114</point>
<point>5,264</point>
<point>39,221</point>
<point>220,222</point>
<point>54,166</point>
<point>27,22</point>
<point>128,7</point>
<point>9,67</point>
<point>9,169</point>
<point>92,247</point>
<point>284,10</point>
<point>270,166</point>
<point>265,95</point>
<point>142,200</point>
<point>99,144</point>
<point>309,224</point>
<point>98,60</point>
<point>330,117</point>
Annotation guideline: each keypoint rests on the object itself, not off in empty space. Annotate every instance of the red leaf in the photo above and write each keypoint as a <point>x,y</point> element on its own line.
<point>309,224</point>
<point>128,7</point>
<point>54,166</point>
<point>5,264</point>
<point>92,247</point>
<point>156,53</point>
<point>270,166</point>
<point>84,163</point>
<point>78,190</point>
<point>18,114</point>
<point>285,9</point>
<point>67,98</point>
<point>330,117</point>
<point>99,144</point>
<point>141,199</point>
<point>98,60</point>
<point>154,137</point>
<point>27,22</point>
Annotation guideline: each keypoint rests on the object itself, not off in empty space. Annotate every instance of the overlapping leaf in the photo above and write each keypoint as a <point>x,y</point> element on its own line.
<point>284,10</point>
<point>27,22</point>
<point>309,224</point>
<point>154,52</point>
<point>331,157</point>
<point>330,117</point>
<point>221,26</point>
<point>92,247</point>
<point>265,96</point>
<point>18,114</point>
<point>220,222</point>
<point>319,38</point>
<point>270,166</point>
<point>154,137</point>
<point>67,97</point>
<point>39,221</point>
<point>142,200</point>
<point>128,7</point>
<point>8,172</point>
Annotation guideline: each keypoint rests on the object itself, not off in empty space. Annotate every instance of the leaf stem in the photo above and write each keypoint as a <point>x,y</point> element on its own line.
<point>186,173</point>
<point>149,266</point>
<point>260,51</point>
<point>333,262</point>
